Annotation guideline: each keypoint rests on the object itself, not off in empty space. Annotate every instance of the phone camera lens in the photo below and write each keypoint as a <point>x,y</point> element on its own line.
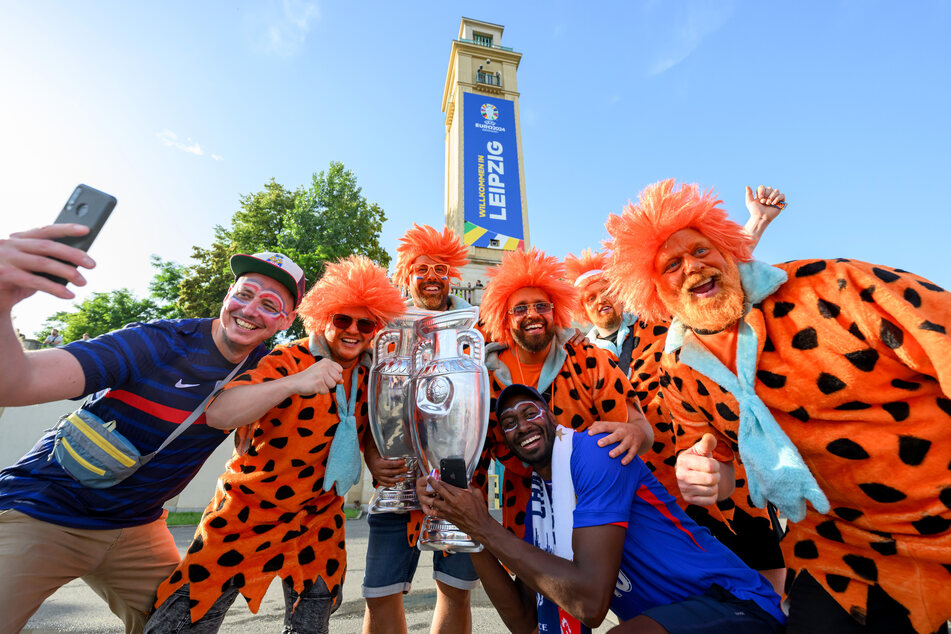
<point>82,210</point>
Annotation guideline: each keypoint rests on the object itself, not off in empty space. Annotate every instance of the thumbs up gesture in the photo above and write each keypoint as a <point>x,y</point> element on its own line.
<point>699,474</point>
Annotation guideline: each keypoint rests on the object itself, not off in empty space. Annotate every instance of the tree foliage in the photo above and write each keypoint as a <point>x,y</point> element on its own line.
<point>101,313</point>
<point>326,221</point>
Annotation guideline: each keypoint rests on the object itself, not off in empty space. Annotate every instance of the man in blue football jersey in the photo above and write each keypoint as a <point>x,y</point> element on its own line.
<point>148,378</point>
<point>600,535</point>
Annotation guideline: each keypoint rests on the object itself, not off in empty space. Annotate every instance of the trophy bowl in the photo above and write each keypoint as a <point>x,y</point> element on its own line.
<point>390,372</point>
<point>448,401</point>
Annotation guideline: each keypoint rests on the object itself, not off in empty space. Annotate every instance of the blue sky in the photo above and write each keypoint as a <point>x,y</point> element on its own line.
<point>177,108</point>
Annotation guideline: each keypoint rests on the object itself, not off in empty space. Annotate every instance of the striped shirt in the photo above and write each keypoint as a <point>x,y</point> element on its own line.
<point>148,377</point>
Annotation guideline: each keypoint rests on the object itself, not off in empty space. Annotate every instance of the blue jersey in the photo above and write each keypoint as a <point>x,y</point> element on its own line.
<point>667,556</point>
<point>148,378</point>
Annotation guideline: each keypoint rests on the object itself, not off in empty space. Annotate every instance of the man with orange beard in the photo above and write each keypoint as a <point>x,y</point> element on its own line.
<point>637,344</point>
<point>830,380</point>
<point>427,260</point>
<point>526,311</point>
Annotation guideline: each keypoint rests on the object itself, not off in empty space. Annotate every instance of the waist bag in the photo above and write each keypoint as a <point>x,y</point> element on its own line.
<point>97,456</point>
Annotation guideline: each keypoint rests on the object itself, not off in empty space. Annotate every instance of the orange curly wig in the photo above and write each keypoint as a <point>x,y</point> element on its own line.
<point>583,270</point>
<point>639,232</point>
<point>354,281</point>
<point>521,269</point>
<point>424,240</point>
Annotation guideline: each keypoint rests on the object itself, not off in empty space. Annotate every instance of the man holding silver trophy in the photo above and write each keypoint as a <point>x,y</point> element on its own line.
<point>426,261</point>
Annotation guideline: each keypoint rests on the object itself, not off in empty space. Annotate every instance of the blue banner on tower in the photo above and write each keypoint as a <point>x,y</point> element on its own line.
<point>493,196</point>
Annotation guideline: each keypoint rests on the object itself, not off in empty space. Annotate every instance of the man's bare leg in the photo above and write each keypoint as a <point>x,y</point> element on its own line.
<point>384,615</point>
<point>452,614</point>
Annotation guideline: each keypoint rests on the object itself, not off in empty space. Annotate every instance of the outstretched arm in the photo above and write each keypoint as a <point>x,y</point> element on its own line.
<point>764,207</point>
<point>242,405</point>
<point>583,586</point>
<point>43,375</point>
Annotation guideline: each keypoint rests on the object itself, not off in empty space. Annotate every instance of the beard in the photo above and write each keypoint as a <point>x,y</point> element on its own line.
<point>708,315</point>
<point>535,342</point>
<point>606,323</point>
<point>430,301</point>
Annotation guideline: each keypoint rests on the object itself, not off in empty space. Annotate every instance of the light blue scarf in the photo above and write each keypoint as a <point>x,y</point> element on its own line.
<point>774,469</point>
<point>343,463</point>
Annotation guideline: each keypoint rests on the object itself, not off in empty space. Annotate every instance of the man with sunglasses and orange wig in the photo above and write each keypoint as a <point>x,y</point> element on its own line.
<point>427,261</point>
<point>526,311</point>
<point>278,508</point>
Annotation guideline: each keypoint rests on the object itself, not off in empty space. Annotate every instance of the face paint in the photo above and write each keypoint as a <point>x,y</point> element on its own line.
<point>246,294</point>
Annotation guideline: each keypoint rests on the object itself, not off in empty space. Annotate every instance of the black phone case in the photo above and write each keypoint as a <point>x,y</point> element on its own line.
<point>86,206</point>
<point>453,471</point>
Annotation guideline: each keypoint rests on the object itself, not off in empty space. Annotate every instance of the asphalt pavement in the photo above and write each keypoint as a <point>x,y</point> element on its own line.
<point>76,608</point>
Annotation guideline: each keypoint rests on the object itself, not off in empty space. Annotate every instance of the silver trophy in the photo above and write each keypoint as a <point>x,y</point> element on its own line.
<point>449,398</point>
<point>390,373</point>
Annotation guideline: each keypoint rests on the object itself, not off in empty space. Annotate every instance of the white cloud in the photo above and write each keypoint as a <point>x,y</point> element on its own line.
<point>287,31</point>
<point>700,19</point>
<point>170,139</point>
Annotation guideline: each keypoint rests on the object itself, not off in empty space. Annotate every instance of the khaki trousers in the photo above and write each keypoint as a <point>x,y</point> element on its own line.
<point>123,566</point>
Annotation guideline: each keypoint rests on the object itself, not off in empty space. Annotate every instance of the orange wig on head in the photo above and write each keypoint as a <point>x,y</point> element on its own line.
<point>583,270</point>
<point>445,247</point>
<point>521,269</point>
<point>639,232</point>
<point>352,282</point>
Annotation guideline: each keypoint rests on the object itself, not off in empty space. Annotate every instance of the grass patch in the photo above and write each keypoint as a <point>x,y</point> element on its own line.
<point>182,518</point>
<point>351,512</point>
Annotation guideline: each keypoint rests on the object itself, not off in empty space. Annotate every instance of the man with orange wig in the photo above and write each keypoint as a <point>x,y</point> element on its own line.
<point>637,345</point>
<point>278,508</point>
<point>427,260</point>
<point>526,311</point>
<point>830,379</point>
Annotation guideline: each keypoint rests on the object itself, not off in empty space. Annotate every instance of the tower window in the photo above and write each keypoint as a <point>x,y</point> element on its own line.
<point>482,40</point>
<point>492,79</point>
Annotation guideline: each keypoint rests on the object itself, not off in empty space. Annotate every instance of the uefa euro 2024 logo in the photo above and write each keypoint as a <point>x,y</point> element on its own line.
<point>489,112</point>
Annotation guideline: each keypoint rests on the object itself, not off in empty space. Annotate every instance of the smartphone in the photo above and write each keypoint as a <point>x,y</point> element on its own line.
<point>453,471</point>
<point>86,206</point>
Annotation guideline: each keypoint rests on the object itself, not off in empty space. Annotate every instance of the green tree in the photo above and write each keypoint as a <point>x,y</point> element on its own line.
<point>101,313</point>
<point>326,221</point>
<point>165,286</point>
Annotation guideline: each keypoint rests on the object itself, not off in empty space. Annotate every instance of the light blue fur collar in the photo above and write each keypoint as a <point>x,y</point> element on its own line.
<point>775,470</point>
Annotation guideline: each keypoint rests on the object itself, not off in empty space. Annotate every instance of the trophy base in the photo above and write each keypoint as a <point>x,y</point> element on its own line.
<point>442,535</point>
<point>399,498</point>
<point>394,500</point>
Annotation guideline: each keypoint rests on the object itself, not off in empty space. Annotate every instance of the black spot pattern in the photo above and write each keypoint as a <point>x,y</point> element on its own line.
<point>847,448</point>
<point>891,334</point>
<point>811,269</point>
<point>912,450</point>
<point>864,360</point>
<point>829,383</point>
<point>805,339</point>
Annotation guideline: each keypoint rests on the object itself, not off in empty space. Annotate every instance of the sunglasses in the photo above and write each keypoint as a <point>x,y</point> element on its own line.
<point>441,270</point>
<point>342,322</point>
<point>541,308</point>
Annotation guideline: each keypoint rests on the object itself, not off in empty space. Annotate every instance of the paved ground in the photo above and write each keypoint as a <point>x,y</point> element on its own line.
<point>75,608</point>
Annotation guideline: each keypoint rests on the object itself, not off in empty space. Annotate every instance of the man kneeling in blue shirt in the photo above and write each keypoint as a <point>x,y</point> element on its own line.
<point>600,535</point>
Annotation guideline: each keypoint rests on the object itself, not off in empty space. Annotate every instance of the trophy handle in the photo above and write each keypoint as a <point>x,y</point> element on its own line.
<point>422,353</point>
<point>476,344</point>
<point>383,341</point>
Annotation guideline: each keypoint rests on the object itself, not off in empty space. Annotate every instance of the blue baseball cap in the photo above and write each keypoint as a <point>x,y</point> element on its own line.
<point>516,389</point>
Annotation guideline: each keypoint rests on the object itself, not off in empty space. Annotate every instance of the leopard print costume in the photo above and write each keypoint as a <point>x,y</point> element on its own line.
<point>736,521</point>
<point>589,387</point>
<point>270,516</point>
<point>854,362</point>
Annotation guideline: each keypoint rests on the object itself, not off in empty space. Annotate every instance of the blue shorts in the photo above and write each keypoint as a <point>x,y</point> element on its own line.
<point>714,612</point>
<point>391,561</point>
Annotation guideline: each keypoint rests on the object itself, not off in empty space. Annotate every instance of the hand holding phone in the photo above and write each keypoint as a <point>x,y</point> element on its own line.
<point>86,206</point>
<point>453,471</point>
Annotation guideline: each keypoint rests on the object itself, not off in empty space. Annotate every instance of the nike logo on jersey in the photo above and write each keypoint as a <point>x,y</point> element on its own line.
<point>180,384</point>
